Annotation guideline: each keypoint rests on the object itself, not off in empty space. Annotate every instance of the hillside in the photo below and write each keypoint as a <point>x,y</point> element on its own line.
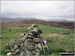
<point>22,23</point>
<point>57,41</point>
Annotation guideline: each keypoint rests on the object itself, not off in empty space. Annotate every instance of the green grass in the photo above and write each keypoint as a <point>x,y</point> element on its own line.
<point>54,29</point>
<point>56,42</point>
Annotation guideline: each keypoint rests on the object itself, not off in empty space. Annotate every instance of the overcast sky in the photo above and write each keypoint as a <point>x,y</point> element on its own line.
<point>46,10</point>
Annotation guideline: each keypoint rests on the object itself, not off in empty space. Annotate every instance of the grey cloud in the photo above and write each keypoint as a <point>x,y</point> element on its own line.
<point>38,9</point>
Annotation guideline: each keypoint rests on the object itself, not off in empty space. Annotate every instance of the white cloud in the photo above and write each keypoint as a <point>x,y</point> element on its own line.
<point>38,9</point>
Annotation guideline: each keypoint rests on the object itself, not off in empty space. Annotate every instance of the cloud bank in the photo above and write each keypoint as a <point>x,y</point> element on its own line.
<point>45,10</point>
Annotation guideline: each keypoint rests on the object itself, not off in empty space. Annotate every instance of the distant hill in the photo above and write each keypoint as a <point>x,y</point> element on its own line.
<point>29,18</point>
<point>13,19</point>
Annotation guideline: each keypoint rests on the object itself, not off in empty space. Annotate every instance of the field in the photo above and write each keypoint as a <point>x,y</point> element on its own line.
<point>59,39</point>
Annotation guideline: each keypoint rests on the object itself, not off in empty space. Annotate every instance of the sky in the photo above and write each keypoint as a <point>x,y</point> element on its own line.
<point>45,10</point>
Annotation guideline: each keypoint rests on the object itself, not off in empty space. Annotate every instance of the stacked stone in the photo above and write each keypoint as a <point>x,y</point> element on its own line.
<point>17,46</point>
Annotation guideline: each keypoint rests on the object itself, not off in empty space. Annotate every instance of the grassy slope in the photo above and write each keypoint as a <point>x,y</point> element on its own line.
<point>56,44</point>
